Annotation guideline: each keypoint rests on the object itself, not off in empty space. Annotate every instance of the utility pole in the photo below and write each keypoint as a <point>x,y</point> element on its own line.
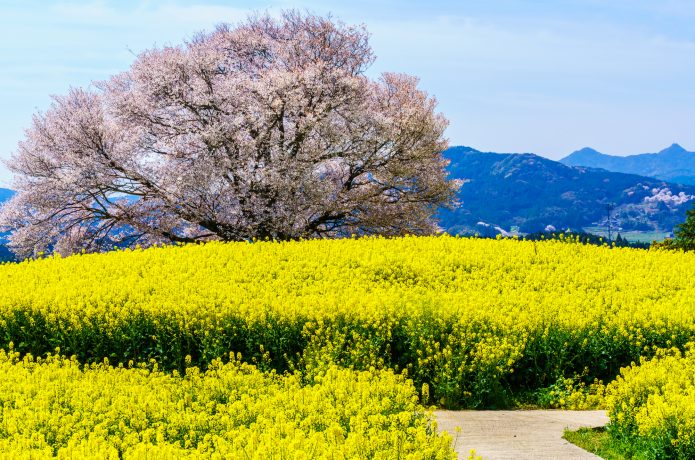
<point>609,208</point>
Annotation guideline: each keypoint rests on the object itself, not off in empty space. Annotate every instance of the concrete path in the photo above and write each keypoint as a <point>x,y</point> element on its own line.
<point>518,434</point>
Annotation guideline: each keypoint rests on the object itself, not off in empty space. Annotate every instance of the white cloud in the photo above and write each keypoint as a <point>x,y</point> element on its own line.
<point>155,15</point>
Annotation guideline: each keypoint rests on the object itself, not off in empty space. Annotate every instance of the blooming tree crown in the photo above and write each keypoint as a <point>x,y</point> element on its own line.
<point>269,129</point>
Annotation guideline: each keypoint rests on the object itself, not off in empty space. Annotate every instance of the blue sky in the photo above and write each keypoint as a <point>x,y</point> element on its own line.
<point>543,76</point>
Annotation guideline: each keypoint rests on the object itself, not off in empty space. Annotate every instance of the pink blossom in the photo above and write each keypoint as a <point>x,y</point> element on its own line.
<point>267,129</point>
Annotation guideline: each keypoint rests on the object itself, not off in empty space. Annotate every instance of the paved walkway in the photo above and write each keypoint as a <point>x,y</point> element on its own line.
<point>518,434</point>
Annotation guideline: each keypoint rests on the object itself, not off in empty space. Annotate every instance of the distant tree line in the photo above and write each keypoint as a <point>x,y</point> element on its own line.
<point>586,238</point>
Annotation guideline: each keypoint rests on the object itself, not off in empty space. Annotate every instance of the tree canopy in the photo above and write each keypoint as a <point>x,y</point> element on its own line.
<point>267,129</point>
<point>684,235</point>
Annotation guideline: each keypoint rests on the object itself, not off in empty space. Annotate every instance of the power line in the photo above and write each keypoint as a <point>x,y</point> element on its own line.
<point>609,208</point>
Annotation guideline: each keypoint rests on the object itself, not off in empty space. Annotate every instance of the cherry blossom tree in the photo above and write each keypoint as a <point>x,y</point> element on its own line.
<point>269,129</point>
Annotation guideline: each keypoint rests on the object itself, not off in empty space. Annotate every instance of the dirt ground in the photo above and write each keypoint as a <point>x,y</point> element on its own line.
<point>519,434</point>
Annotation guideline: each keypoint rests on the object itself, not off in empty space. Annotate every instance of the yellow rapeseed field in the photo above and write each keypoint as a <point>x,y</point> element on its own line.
<point>56,407</point>
<point>334,347</point>
<point>474,322</point>
<point>652,405</point>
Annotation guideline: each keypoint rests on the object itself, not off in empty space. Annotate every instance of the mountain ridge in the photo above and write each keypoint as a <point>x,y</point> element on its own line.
<point>673,164</point>
<point>532,193</point>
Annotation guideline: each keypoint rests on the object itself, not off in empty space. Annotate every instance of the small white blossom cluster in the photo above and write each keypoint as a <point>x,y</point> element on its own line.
<point>664,195</point>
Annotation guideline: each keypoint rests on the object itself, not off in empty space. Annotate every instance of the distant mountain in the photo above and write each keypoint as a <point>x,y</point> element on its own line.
<point>673,164</point>
<point>5,254</point>
<point>5,194</point>
<point>506,190</point>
